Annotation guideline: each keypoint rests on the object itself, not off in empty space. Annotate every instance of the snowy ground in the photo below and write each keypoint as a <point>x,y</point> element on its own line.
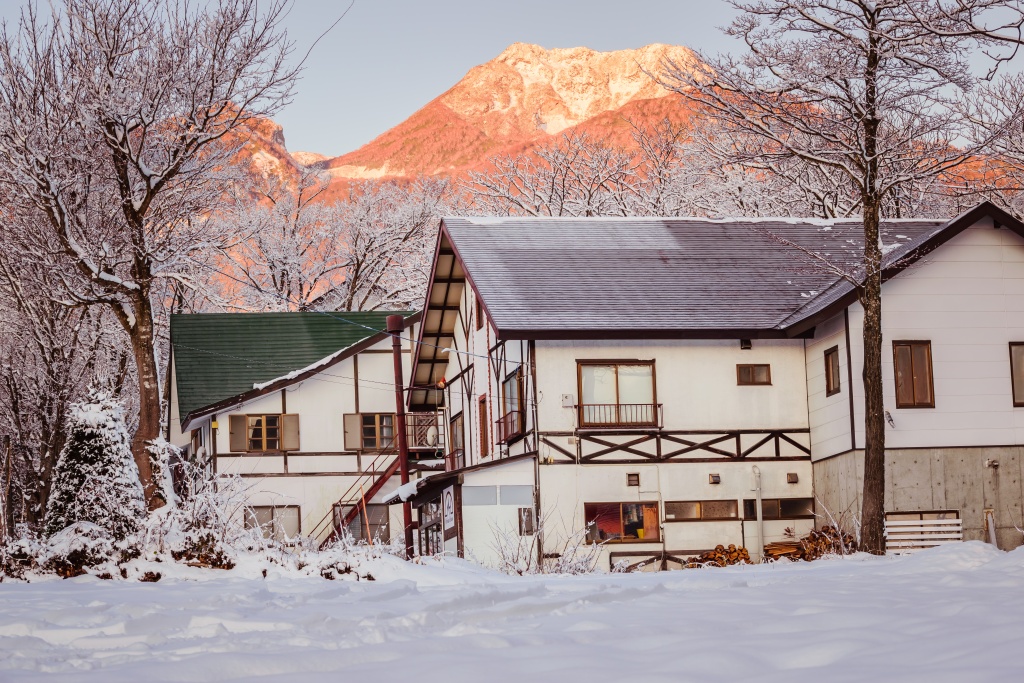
<point>950,614</point>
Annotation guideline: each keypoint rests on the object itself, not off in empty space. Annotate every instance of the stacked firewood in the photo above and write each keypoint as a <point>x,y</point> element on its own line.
<point>825,541</point>
<point>720,556</point>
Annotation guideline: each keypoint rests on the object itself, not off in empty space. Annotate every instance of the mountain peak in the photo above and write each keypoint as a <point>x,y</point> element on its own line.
<point>518,99</point>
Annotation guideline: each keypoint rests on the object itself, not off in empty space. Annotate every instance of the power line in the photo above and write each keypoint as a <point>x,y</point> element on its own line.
<point>446,349</point>
<point>354,382</point>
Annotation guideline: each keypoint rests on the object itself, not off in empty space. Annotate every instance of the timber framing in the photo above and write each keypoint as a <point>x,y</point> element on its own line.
<point>609,446</point>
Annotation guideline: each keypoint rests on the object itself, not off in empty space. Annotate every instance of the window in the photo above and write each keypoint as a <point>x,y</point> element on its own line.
<point>371,527</point>
<point>196,442</point>
<point>510,424</point>
<point>458,434</point>
<point>263,432</point>
<point>378,430</point>
<point>632,480</point>
<point>779,508</point>
<point>485,441</point>
<point>617,394</point>
<point>479,312</point>
<point>832,382</point>
<point>276,521</point>
<point>706,510</point>
<point>753,374</point>
<point>527,525</point>
<point>913,362</point>
<point>1017,372</point>
<point>621,522</point>
<point>456,457</point>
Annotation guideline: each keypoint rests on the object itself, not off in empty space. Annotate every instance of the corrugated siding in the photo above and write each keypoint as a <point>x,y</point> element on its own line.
<point>653,274</point>
<point>220,355</point>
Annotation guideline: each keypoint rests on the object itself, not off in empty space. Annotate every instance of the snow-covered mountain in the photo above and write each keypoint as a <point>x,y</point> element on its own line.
<point>524,97</point>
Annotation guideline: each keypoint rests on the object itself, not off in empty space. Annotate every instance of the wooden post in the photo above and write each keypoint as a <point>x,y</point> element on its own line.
<point>395,327</point>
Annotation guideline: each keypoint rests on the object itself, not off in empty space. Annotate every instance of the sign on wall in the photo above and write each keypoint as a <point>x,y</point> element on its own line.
<point>448,508</point>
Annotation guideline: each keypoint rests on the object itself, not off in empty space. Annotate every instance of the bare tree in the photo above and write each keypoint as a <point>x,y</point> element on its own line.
<point>115,119</point>
<point>874,92</point>
<point>286,248</point>
<point>576,175</point>
<point>387,232</point>
<point>281,246</point>
<point>49,356</point>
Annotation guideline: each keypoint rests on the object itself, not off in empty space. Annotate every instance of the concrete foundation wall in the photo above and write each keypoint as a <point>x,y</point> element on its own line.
<point>934,479</point>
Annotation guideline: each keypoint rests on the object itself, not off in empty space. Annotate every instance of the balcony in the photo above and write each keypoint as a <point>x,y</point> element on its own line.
<point>509,426</point>
<point>423,431</point>
<point>455,460</point>
<point>619,415</point>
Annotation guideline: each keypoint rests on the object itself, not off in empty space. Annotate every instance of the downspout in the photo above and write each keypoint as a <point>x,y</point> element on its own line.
<point>538,527</point>
<point>760,514</point>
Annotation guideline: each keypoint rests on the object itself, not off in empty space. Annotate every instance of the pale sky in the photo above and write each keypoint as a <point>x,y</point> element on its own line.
<point>388,58</point>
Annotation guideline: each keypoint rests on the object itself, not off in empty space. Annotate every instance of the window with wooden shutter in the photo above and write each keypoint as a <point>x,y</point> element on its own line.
<point>236,433</point>
<point>290,432</point>
<point>263,432</point>
<point>832,380</point>
<point>913,369</point>
<point>353,431</point>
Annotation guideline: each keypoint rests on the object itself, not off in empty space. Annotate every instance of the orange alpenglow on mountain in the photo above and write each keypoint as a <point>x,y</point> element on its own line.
<point>525,97</point>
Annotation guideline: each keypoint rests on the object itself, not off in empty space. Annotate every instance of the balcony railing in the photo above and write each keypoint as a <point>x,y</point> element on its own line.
<point>621,415</point>
<point>423,431</point>
<point>509,426</point>
<point>455,460</point>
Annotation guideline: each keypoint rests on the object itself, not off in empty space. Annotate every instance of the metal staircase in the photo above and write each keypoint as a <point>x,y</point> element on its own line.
<point>423,434</point>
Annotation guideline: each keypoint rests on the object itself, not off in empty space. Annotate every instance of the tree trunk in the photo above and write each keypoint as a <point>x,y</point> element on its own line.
<point>143,349</point>
<point>873,511</point>
<point>872,536</point>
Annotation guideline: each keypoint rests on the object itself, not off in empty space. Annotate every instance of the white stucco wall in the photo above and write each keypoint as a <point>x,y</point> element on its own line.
<point>829,415</point>
<point>695,381</point>
<point>566,488</point>
<point>967,298</point>
<point>322,470</point>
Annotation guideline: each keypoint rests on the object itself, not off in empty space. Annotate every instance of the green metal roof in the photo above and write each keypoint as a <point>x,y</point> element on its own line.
<point>218,356</point>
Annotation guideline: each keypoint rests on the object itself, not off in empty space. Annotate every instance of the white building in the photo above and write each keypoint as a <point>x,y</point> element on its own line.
<point>301,406</point>
<point>643,374</point>
<point>638,381</point>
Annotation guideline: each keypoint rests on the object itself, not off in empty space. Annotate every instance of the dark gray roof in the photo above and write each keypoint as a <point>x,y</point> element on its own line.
<point>543,277</point>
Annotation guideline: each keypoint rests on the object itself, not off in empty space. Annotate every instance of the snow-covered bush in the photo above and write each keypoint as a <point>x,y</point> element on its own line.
<point>517,554</point>
<point>96,479</point>
<point>204,526</point>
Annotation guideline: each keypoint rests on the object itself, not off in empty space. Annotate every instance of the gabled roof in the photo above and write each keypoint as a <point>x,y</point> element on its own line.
<point>220,358</point>
<point>671,277</point>
<point>648,278</point>
<point>643,277</point>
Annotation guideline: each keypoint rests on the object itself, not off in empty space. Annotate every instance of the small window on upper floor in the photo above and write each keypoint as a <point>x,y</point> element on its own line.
<point>832,381</point>
<point>377,430</point>
<point>913,364</point>
<point>263,433</point>
<point>1017,372</point>
<point>479,312</point>
<point>747,375</point>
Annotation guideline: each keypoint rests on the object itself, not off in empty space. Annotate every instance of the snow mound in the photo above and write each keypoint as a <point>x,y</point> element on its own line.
<point>948,614</point>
